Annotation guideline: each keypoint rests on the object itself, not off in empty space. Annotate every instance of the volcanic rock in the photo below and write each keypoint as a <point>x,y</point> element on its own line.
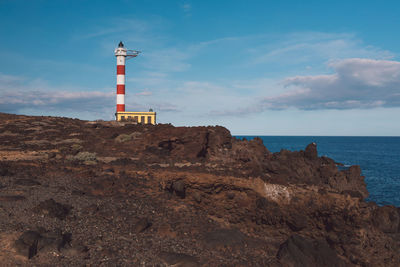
<point>156,195</point>
<point>297,221</point>
<point>225,237</point>
<point>300,251</point>
<point>311,151</point>
<point>387,219</point>
<point>32,242</point>
<point>141,225</point>
<point>27,243</point>
<point>179,188</point>
<point>53,209</point>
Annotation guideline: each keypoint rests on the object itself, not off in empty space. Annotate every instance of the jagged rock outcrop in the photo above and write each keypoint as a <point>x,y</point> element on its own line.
<point>75,193</point>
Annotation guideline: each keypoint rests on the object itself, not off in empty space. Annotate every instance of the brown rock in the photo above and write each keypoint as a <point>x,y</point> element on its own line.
<point>387,219</point>
<point>32,242</point>
<point>141,225</point>
<point>197,197</point>
<point>311,151</point>
<point>300,251</point>
<point>27,243</point>
<point>225,237</point>
<point>179,188</point>
<point>297,221</point>
<point>274,196</point>
<point>53,209</point>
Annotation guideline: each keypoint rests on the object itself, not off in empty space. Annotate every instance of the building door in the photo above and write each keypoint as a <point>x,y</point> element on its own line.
<point>142,120</point>
<point>149,119</point>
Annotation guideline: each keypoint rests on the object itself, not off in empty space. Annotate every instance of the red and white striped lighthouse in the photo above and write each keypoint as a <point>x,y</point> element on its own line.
<point>121,53</point>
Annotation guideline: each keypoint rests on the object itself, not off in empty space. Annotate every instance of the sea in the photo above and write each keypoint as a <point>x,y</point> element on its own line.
<point>378,157</point>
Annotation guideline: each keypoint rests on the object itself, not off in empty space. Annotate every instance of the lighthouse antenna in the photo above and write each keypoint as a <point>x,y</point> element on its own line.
<point>132,53</point>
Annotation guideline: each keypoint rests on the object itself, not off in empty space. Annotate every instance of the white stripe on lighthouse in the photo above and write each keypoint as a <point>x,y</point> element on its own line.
<point>120,79</point>
<point>120,99</point>
<point>120,60</point>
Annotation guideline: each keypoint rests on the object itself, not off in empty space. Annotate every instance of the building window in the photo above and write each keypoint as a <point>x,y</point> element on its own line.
<point>142,120</point>
<point>149,119</point>
<point>122,118</point>
<point>135,119</point>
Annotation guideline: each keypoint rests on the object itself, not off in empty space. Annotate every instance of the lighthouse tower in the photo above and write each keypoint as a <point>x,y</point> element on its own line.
<point>121,115</point>
<point>121,53</point>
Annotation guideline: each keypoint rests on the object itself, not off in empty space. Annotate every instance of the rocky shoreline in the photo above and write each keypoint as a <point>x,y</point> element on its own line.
<point>101,193</point>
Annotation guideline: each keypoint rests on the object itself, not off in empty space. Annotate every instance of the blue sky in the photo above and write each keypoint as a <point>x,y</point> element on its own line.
<point>255,67</point>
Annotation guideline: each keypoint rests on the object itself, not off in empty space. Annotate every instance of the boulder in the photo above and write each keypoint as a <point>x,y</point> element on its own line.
<point>300,251</point>
<point>179,188</point>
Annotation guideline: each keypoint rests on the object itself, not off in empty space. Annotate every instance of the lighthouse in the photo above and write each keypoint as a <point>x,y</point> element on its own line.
<point>121,53</point>
<point>121,115</point>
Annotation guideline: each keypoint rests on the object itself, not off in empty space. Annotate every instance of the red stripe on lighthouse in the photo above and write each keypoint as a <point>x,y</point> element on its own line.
<point>120,69</point>
<point>120,108</point>
<point>120,89</point>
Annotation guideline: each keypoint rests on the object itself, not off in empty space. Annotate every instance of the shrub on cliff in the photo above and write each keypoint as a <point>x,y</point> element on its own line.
<point>85,157</point>
<point>126,137</point>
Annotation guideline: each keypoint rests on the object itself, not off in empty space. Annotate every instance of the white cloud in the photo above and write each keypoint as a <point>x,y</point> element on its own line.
<point>368,71</point>
<point>305,47</point>
<point>60,100</point>
<point>356,83</point>
<point>144,93</point>
<point>19,93</point>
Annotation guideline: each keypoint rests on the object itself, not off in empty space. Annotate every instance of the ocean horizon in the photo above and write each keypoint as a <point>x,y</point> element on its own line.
<point>378,157</point>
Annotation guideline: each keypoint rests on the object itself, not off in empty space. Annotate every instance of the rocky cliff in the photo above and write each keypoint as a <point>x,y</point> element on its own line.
<point>105,193</point>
